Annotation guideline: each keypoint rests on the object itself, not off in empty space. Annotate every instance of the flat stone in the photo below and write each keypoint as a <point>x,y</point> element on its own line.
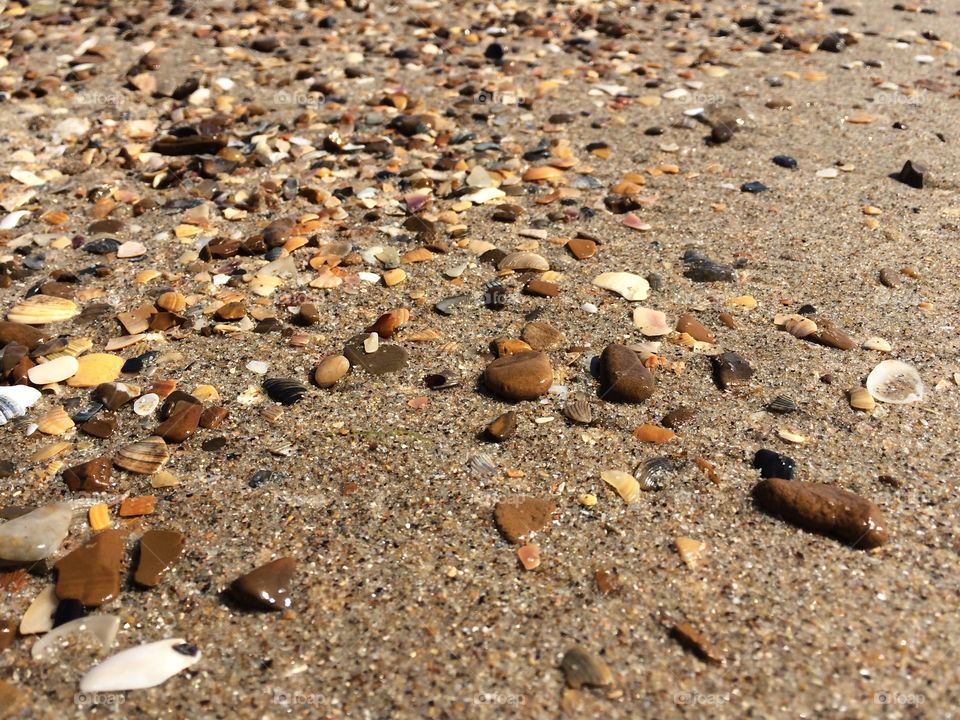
<point>330,370</point>
<point>825,509</point>
<point>626,379</point>
<point>679,417</point>
<point>182,424</point>
<point>91,573</point>
<point>701,268</point>
<point>159,550</point>
<point>36,534</point>
<point>730,369</point>
<point>267,587</point>
<point>386,359</point>
<point>521,376</point>
<point>503,426</point>
<point>102,426</point>
<point>91,476</point>
<point>582,668</point>
<point>518,517</point>
<point>541,288</point>
<point>21,333</point>
<point>543,336</point>
<point>581,248</point>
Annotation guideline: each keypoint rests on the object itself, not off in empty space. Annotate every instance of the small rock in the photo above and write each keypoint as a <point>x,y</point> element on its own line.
<point>543,336</point>
<point>582,668</point>
<point>679,417</point>
<point>159,550</point>
<point>689,324</point>
<point>730,369</point>
<point>774,465</point>
<point>330,370</point>
<point>700,268</point>
<point>267,587</point>
<point>914,174</point>
<point>625,376</point>
<point>692,639</point>
<point>35,535</point>
<point>503,427</point>
<point>518,517</point>
<point>91,573</point>
<point>91,476</point>
<point>522,376</point>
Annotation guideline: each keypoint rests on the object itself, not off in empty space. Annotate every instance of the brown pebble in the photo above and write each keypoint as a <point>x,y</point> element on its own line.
<point>509,346</point>
<point>523,376</point>
<point>541,288</point>
<point>308,314</point>
<point>101,426</point>
<point>518,517</point>
<point>626,378</point>
<point>330,370</point>
<point>267,587</point>
<point>689,324</point>
<point>692,639</point>
<point>276,233</point>
<point>181,424</point>
<point>503,426</point>
<point>212,417</point>
<point>91,476</point>
<point>8,632</point>
<point>728,320</point>
<point>529,556</point>
<point>159,550</point>
<point>730,369</point>
<point>889,277</point>
<point>582,668</point>
<point>231,311</point>
<point>679,417</point>
<point>543,336</point>
<point>388,323</point>
<point>91,573</point>
<point>21,333</point>
<point>138,505</point>
<point>830,334</point>
<point>653,434</point>
<point>825,509</point>
<point>581,248</point>
<point>608,581</point>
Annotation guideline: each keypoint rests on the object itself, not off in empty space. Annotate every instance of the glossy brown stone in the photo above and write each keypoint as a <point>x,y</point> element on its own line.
<point>502,427</point>
<point>689,324</point>
<point>678,418</point>
<point>541,288</point>
<point>91,476</point>
<point>522,376</point>
<point>276,233</point>
<point>212,417</point>
<point>518,517</point>
<point>581,248</point>
<point>625,377</point>
<point>8,632</point>
<point>730,369</point>
<point>101,426</point>
<point>267,587</point>
<point>159,550</point>
<point>181,424</point>
<point>91,573</point>
<point>21,333</point>
<point>582,668</point>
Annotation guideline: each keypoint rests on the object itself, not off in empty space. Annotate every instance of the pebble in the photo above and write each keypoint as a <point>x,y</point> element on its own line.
<point>914,174</point>
<point>831,335</point>
<point>159,551</point>
<point>628,285</point>
<point>824,509</point>
<point>692,639</point>
<point>691,551</point>
<point>91,573</point>
<point>774,465</point>
<point>582,248</point>
<point>730,369</point>
<point>689,324</point>
<point>91,476</point>
<point>115,395</point>
<point>518,517</point>
<point>541,288</point>
<point>785,161</point>
<point>386,359</point>
<point>54,371</point>
<point>543,336</point>
<point>675,419</point>
<point>653,434</point>
<point>140,667</point>
<point>35,535</point>
<point>146,404</point>
<point>330,370</point>
<point>701,268</point>
<point>21,334</point>
<point>181,424</point>
<point>582,668</point>
<point>521,376</point>
<point>753,187</point>
<point>502,427</point>
<point>266,587</point>
<point>529,556</point>
<point>626,379</point>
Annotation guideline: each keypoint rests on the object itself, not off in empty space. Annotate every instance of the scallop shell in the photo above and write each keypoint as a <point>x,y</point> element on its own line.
<point>285,391</point>
<point>15,400</point>
<point>624,483</point>
<point>144,666</point>
<point>579,410</point>
<point>43,309</point>
<point>172,302</point>
<point>782,404</point>
<point>143,457</point>
<point>483,464</point>
<point>55,422</point>
<point>650,474</point>
<point>895,382</point>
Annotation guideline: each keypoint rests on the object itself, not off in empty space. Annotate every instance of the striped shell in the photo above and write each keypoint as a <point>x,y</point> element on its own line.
<point>285,390</point>
<point>579,410</point>
<point>143,457</point>
<point>15,400</point>
<point>651,473</point>
<point>624,483</point>
<point>43,309</point>
<point>55,422</point>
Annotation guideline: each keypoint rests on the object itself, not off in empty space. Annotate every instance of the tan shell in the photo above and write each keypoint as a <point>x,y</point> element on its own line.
<point>799,326</point>
<point>650,322</point>
<point>172,302</point>
<point>144,457</point>
<point>861,399</point>
<point>524,261</point>
<point>43,309</point>
<point>542,172</point>
<point>624,483</point>
<point>96,369</point>
<point>75,348</point>
<point>55,422</point>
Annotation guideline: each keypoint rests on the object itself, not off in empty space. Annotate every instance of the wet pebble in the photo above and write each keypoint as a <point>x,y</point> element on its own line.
<point>774,465</point>
<point>521,376</point>
<point>730,369</point>
<point>626,379</point>
<point>266,587</point>
<point>582,668</point>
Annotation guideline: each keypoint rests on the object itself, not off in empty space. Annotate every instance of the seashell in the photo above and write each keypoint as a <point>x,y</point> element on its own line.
<point>482,464</point>
<point>43,309</point>
<point>791,437</point>
<point>627,285</point>
<point>782,404</point>
<point>541,173</point>
<point>144,457</point>
<point>144,666</point>
<point>650,474</point>
<point>388,323</point>
<point>651,323</point>
<point>55,422</point>
<point>878,344</point>
<point>524,261</point>
<point>39,615</point>
<point>895,382</point>
<point>799,326</point>
<point>15,400</point>
<point>96,369</point>
<point>115,395</point>
<point>579,410</point>
<point>285,391</point>
<point>172,302</point>
<point>54,371</point>
<point>103,628</point>
<point>146,404</point>
<point>74,347</point>
<point>624,483</point>
<point>690,550</point>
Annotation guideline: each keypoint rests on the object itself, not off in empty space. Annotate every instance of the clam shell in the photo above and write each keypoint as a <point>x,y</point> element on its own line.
<point>140,667</point>
<point>651,323</point>
<point>800,326</point>
<point>624,483</point>
<point>102,628</point>
<point>15,400</point>
<point>895,382</point>
<point>524,261</point>
<point>54,371</point>
<point>782,404</point>
<point>579,410</point>
<point>285,391</point>
<point>652,473</point>
<point>55,422</point>
<point>483,464</point>
<point>627,285</point>
<point>143,457</point>
<point>43,309</point>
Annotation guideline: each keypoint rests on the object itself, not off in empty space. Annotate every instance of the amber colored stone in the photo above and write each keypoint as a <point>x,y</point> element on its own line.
<point>181,424</point>
<point>91,476</point>
<point>212,417</point>
<point>139,505</point>
<point>267,587</point>
<point>159,550</point>
<point>91,573</point>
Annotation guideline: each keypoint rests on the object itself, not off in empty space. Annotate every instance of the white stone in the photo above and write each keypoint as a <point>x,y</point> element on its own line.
<point>36,535</point>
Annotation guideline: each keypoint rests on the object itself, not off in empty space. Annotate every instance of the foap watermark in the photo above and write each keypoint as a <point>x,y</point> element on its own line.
<point>899,99</point>
<point>99,98</point>
<point>104,699</point>
<point>693,698</point>
<point>499,698</point>
<point>899,698</point>
<point>297,698</point>
<point>491,97</point>
<point>299,98</point>
<point>706,99</point>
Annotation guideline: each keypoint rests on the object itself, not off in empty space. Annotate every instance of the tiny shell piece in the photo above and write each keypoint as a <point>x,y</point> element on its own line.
<point>624,483</point>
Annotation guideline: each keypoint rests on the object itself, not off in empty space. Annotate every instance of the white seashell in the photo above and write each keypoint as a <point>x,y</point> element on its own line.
<point>628,285</point>
<point>146,404</point>
<point>371,344</point>
<point>524,261</point>
<point>144,666</point>
<point>101,627</point>
<point>54,371</point>
<point>11,220</point>
<point>484,195</point>
<point>258,366</point>
<point>895,382</point>
<point>36,535</point>
<point>15,400</point>
<point>878,344</point>
<point>39,616</point>
<point>651,323</point>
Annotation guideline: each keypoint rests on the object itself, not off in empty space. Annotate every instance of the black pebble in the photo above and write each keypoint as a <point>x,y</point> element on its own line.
<point>774,465</point>
<point>785,161</point>
<point>753,187</point>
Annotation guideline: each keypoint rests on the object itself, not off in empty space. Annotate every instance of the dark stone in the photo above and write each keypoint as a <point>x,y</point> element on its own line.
<point>774,465</point>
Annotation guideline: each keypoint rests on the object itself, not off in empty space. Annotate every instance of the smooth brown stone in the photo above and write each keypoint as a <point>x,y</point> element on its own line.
<point>21,333</point>
<point>8,632</point>
<point>212,417</point>
<point>653,434</point>
<point>91,573</point>
<point>276,233</point>
<point>678,418</point>
<point>543,336</point>
<point>582,668</point>
<point>91,476</point>
<point>101,426</point>
<point>503,426</point>
<point>231,311</point>
<point>626,378</point>
<point>523,376</point>
<point>830,334</point>
<point>692,639</point>
<point>58,289</point>
<point>541,288</point>
<point>267,587</point>
<point>181,425</point>
<point>730,369</point>
<point>308,314</point>
<point>689,324</point>
<point>114,395</point>
<point>581,248</point>
<point>608,581</point>
<point>159,550</point>
<point>509,346</point>
<point>824,509</point>
<point>518,517</point>
<point>889,277</point>
<point>175,402</point>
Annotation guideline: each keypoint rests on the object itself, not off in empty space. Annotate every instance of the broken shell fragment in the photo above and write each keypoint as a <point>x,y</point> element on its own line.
<point>15,400</point>
<point>624,483</point>
<point>627,285</point>
<point>144,457</point>
<point>55,422</point>
<point>54,371</point>
<point>651,323</point>
<point>144,666</point>
<point>895,382</point>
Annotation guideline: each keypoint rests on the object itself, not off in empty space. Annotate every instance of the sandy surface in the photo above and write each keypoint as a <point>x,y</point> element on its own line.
<point>407,601</point>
